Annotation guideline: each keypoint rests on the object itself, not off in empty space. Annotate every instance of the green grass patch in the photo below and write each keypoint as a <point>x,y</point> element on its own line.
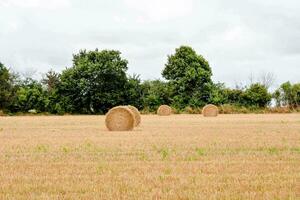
<point>165,153</point>
<point>41,148</point>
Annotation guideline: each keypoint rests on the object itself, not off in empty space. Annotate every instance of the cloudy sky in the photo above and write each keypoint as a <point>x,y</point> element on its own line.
<point>237,37</point>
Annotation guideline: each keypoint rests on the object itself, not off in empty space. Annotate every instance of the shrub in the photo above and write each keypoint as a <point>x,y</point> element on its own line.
<point>257,95</point>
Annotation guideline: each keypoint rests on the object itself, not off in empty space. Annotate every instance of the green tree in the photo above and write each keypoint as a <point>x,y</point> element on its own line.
<point>155,93</point>
<point>257,95</point>
<point>5,86</point>
<point>234,96</point>
<point>190,77</point>
<point>96,82</point>
<point>288,95</point>
<point>51,80</point>
<point>30,95</point>
<point>8,82</point>
<point>133,95</point>
<point>218,94</point>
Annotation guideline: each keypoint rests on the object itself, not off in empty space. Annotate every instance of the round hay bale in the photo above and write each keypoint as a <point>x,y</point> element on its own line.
<point>164,110</point>
<point>120,118</point>
<point>210,111</point>
<point>136,113</point>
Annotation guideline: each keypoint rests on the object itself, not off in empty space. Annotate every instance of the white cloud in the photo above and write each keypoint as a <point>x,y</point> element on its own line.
<point>158,10</point>
<point>237,37</point>
<point>40,4</point>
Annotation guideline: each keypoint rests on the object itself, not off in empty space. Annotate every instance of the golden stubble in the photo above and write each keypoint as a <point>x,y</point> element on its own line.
<point>175,157</point>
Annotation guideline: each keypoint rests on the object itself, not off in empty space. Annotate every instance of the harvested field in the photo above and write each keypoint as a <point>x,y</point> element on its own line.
<point>176,157</point>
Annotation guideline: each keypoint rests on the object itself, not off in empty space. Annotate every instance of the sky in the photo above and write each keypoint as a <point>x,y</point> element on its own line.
<point>239,38</point>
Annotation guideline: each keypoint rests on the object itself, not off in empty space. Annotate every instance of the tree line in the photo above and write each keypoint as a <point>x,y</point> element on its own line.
<point>98,81</point>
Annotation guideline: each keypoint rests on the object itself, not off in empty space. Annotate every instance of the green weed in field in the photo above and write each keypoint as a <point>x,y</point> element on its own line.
<point>65,149</point>
<point>200,151</point>
<point>164,153</point>
<point>41,148</point>
<point>295,149</point>
<point>167,171</point>
<point>100,169</point>
<point>144,156</point>
<point>273,150</point>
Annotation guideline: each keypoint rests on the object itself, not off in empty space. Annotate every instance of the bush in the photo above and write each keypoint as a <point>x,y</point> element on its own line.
<point>154,94</point>
<point>30,96</point>
<point>233,109</point>
<point>288,95</point>
<point>257,95</point>
<point>190,110</point>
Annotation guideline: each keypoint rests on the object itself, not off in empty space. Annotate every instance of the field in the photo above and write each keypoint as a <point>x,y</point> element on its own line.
<point>176,157</point>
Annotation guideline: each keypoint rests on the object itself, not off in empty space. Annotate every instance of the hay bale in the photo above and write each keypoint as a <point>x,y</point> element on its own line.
<point>210,111</point>
<point>136,113</point>
<point>120,118</point>
<point>164,110</point>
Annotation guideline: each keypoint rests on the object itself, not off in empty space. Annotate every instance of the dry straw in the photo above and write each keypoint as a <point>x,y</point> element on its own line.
<point>210,111</point>
<point>164,110</point>
<point>120,118</point>
<point>136,113</point>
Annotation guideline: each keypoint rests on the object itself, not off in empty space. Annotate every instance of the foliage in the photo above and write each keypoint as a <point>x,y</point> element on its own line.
<point>5,86</point>
<point>8,81</point>
<point>288,95</point>
<point>154,94</point>
<point>30,95</point>
<point>233,96</point>
<point>257,95</point>
<point>190,78</point>
<point>218,95</point>
<point>51,80</point>
<point>133,95</point>
<point>96,82</point>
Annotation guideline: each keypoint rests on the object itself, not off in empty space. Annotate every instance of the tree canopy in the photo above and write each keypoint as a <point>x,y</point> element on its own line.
<point>98,81</point>
<point>190,77</point>
<point>6,87</point>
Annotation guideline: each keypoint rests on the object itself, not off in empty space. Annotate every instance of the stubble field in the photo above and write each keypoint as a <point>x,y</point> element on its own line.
<point>176,157</point>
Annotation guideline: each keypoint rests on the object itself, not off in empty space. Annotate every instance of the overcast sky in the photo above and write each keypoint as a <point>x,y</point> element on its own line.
<point>237,37</point>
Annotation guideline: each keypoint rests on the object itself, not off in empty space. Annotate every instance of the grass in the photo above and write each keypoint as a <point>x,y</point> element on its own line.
<point>177,157</point>
<point>200,151</point>
<point>41,148</point>
<point>164,152</point>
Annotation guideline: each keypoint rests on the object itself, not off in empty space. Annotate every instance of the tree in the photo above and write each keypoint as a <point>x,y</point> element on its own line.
<point>155,93</point>
<point>51,80</point>
<point>288,95</point>
<point>234,96</point>
<point>257,95</point>
<point>30,95</point>
<point>4,86</point>
<point>218,94</point>
<point>7,87</point>
<point>133,95</point>
<point>96,82</point>
<point>278,98</point>
<point>190,77</point>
